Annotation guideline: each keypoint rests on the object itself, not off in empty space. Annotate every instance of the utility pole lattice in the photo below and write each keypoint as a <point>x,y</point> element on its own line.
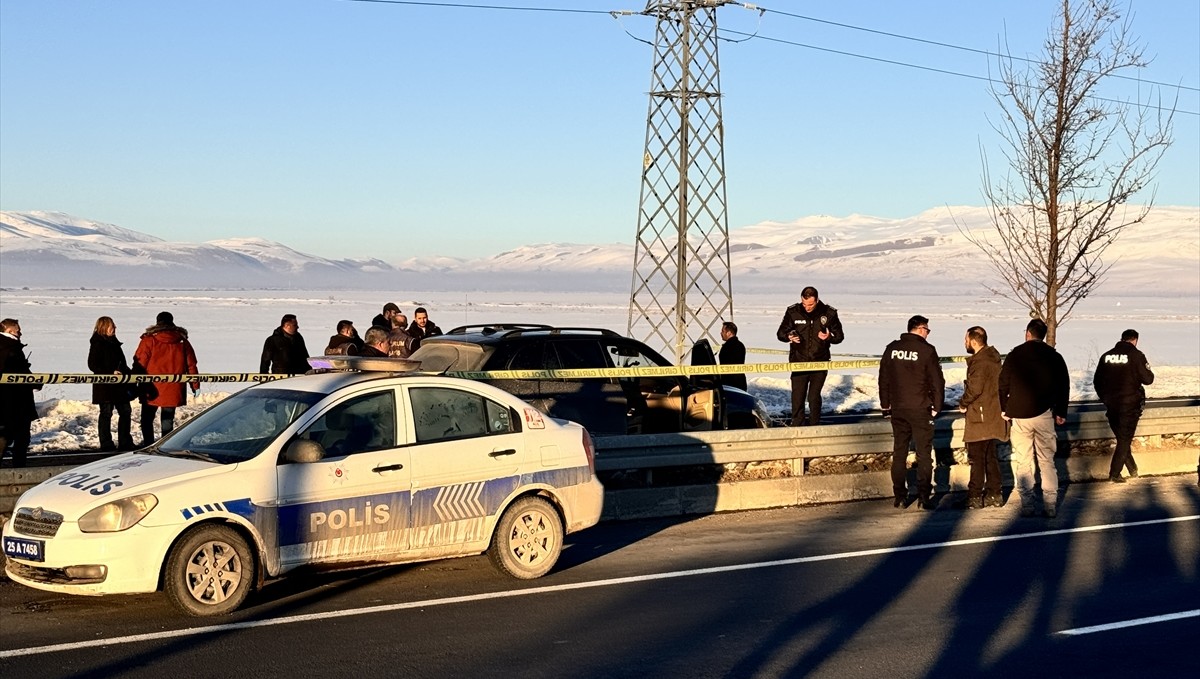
<point>683,232</point>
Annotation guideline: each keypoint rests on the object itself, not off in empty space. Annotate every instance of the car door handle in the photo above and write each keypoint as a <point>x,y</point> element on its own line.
<point>501,453</point>
<point>388,468</point>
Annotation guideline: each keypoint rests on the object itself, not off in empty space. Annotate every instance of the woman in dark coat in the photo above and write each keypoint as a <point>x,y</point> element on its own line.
<point>107,358</point>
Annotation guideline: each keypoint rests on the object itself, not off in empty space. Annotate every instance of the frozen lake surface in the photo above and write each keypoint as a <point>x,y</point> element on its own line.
<point>227,329</point>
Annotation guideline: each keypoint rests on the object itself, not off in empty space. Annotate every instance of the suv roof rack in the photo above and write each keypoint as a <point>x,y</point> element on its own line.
<point>518,329</point>
<point>562,331</point>
<point>493,328</point>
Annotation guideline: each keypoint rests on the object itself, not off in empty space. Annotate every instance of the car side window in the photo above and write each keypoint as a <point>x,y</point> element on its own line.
<point>628,356</point>
<point>500,418</point>
<point>441,414</point>
<point>578,354</point>
<point>359,425</point>
<point>532,357</point>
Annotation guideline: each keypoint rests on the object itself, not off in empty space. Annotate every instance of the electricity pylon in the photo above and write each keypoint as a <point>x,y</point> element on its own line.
<point>681,282</point>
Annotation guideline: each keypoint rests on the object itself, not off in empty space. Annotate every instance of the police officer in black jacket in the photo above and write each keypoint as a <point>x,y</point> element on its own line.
<point>809,328</point>
<point>911,392</point>
<point>1120,374</point>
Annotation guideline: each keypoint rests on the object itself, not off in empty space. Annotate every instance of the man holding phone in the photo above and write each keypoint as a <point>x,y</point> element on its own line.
<point>809,328</point>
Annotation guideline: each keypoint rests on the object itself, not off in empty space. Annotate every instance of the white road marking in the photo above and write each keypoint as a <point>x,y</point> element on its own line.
<point>428,603</point>
<point>1130,623</point>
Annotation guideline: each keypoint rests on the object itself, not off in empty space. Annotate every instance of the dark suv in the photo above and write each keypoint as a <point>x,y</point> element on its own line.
<point>606,406</point>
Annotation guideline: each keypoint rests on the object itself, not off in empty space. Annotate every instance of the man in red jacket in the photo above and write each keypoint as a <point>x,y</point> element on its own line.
<point>164,350</point>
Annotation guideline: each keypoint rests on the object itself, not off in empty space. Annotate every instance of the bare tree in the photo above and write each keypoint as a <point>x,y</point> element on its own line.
<point>1073,161</point>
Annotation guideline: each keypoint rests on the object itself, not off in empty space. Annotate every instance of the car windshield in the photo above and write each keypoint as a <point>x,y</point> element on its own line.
<point>239,427</point>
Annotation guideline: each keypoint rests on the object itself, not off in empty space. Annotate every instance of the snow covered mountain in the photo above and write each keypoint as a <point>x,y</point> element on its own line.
<point>925,254</point>
<point>54,250</point>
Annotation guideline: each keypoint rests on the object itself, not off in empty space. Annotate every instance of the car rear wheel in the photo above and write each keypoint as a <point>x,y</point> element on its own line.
<point>209,571</point>
<point>528,539</point>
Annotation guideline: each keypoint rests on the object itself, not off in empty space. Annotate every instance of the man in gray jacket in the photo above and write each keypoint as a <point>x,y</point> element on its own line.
<point>983,425</point>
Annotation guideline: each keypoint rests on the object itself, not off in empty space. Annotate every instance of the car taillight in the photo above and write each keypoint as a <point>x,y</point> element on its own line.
<point>590,450</point>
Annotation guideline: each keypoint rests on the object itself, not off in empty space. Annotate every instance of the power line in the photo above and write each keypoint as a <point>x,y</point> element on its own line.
<point>615,14</point>
<point>933,69</point>
<point>958,47</point>
<point>463,5</point>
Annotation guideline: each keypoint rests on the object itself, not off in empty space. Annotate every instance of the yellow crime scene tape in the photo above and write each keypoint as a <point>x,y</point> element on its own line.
<point>687,370</point>
<point>572,373</point>
<point>88,378</point>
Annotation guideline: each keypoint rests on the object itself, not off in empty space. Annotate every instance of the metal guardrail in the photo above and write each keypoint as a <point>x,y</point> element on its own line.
<point>649,451</point>
<point>656,451</point>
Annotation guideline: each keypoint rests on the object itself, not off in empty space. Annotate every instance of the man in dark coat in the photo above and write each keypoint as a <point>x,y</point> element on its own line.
<point>421,327</point>
<point>912,391</point>
<point>105,357</point>
<point>284,352</point>
<point>346,342</point>
<point>809,328</point>
<point>1120,374</point>
<point>733,352</point>
<point>983,426</point>
<point>1034,389</point>
<point>17,411</point>
<point>384,320</point>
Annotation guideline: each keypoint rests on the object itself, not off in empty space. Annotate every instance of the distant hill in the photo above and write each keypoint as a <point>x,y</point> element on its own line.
<point>922,254</point>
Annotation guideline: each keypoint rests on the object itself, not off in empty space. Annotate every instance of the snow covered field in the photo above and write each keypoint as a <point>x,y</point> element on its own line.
<point>227,329</point>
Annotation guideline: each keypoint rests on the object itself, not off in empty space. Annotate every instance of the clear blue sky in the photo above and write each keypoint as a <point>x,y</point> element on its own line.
<point>367,129</point>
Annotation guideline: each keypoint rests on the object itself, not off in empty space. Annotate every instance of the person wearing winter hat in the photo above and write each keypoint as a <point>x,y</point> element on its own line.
<point>164,349</point>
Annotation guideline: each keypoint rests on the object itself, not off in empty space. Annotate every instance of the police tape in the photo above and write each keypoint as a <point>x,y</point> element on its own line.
<point>785,352</point>
<point>87,378</point>
<point>564,373</point>
<point>686,371</point>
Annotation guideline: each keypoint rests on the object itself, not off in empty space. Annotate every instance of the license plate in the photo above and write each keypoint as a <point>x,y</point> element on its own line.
<point>28,550</point>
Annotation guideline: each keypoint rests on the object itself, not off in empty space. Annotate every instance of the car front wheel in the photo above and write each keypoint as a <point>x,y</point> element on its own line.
<point>209,571</point>
<point>528,539</point>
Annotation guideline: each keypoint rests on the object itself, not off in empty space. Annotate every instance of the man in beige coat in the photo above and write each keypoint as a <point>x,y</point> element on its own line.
<point>983,424</point>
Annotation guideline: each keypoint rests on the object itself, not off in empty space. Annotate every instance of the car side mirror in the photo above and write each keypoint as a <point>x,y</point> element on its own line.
<point>303,451</point>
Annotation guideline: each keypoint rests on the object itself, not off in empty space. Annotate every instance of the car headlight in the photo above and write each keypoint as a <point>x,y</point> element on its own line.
<point>118,514</point>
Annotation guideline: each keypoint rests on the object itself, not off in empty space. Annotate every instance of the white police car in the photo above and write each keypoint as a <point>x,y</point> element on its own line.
<point>335,469</point>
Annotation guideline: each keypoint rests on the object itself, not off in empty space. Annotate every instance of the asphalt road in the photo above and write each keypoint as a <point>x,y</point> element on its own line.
<point>851,590</point>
